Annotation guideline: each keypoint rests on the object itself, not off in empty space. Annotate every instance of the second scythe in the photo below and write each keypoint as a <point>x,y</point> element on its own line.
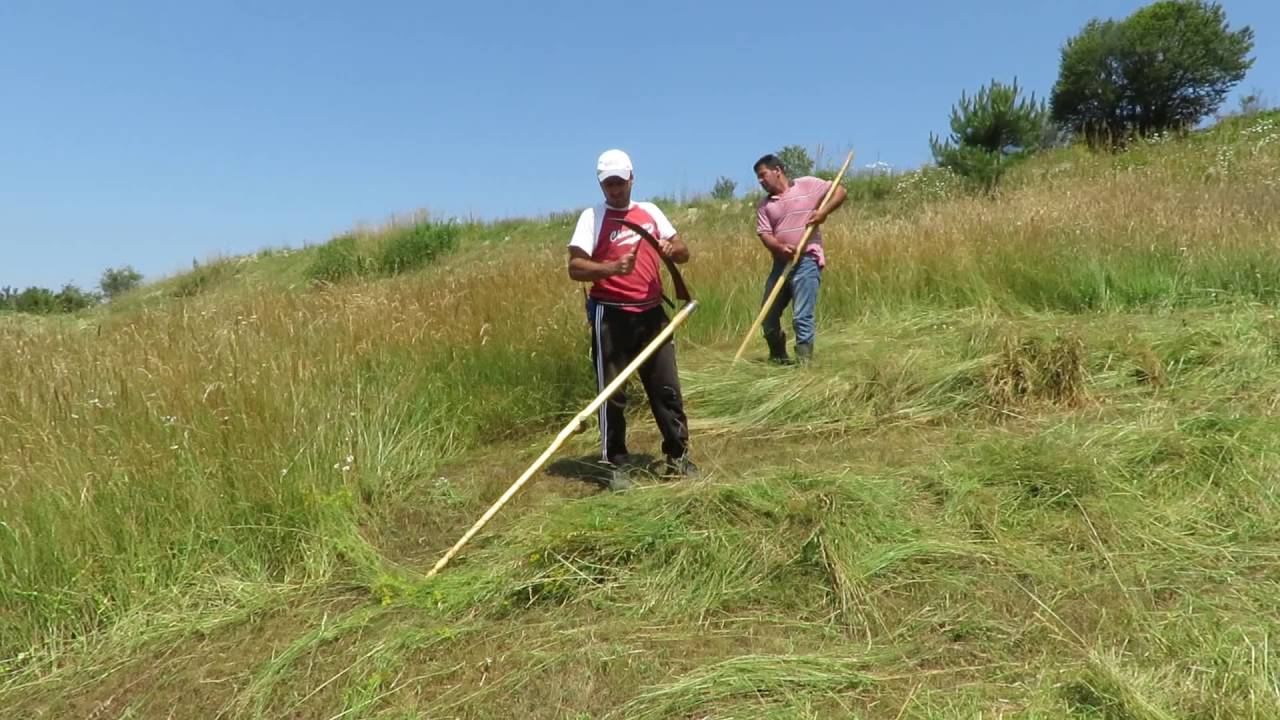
<point>795,257</point>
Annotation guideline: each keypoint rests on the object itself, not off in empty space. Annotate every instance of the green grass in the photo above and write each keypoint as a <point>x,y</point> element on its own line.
<point>1029,474</point>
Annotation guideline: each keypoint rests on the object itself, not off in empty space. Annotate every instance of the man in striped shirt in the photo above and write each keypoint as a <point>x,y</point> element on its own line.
<point>781,218</point>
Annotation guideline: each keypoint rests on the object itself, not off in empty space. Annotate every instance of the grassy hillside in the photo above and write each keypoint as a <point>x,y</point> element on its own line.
<point>1029,476</point>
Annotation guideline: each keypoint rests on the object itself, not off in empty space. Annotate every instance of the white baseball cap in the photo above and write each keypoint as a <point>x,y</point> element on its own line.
<point>613,163</point>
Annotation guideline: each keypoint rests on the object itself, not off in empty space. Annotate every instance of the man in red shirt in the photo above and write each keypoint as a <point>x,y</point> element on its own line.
<point>781,219</point>
<point>625,310</point>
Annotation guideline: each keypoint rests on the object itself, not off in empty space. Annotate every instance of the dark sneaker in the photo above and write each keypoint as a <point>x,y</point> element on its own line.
<point>620,479</point>
<point>781,360</point>
<point>681,467</point>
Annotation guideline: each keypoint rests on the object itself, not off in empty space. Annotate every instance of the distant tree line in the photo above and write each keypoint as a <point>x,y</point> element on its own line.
<point>43,301</point>
<point>1165,68</point>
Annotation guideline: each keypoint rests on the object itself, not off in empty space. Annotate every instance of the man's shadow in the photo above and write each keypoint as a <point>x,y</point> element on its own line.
<point>590,469</point>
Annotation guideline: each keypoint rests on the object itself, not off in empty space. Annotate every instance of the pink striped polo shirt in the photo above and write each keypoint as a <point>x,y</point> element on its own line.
<point>784,216</point>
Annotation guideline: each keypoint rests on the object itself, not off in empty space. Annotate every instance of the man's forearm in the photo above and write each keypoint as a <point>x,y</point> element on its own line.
<point>679,251</point>
<point>584,270</point>
<point>771,243</point>
<point>837,199</point>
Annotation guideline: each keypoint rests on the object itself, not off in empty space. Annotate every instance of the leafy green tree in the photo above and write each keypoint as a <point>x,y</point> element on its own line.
<point>723,189</point>
<point>1165,67</point>
<point>36,300</point>
<point>116,281</point>
<point>990,131</point>
<point>43,301</point>
<point>795,161</point>
<point>71,298</point>
<point>1088,95</point>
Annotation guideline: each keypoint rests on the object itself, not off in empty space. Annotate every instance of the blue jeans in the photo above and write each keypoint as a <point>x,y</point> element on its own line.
<point>801,289</point>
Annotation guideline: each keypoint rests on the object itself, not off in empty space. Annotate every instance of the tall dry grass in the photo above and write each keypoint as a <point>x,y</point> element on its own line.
<point>248,434</point>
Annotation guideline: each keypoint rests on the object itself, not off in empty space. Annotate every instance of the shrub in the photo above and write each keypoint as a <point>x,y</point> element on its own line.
<point>336,260</point>
<point>201,278</point>
<point>412,247</point>
<point>870,188</point>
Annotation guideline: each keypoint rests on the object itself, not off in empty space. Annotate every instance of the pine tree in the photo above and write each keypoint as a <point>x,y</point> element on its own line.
<point>990,131</point>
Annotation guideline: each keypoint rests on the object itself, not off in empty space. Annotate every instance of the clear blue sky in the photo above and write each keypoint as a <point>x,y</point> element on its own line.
<point>154,133</point>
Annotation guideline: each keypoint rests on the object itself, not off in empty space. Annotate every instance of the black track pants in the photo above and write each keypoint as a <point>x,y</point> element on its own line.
<point>617,337</point>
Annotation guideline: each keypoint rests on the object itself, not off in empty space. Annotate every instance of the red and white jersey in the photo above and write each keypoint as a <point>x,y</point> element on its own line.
<point>600,235</point>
